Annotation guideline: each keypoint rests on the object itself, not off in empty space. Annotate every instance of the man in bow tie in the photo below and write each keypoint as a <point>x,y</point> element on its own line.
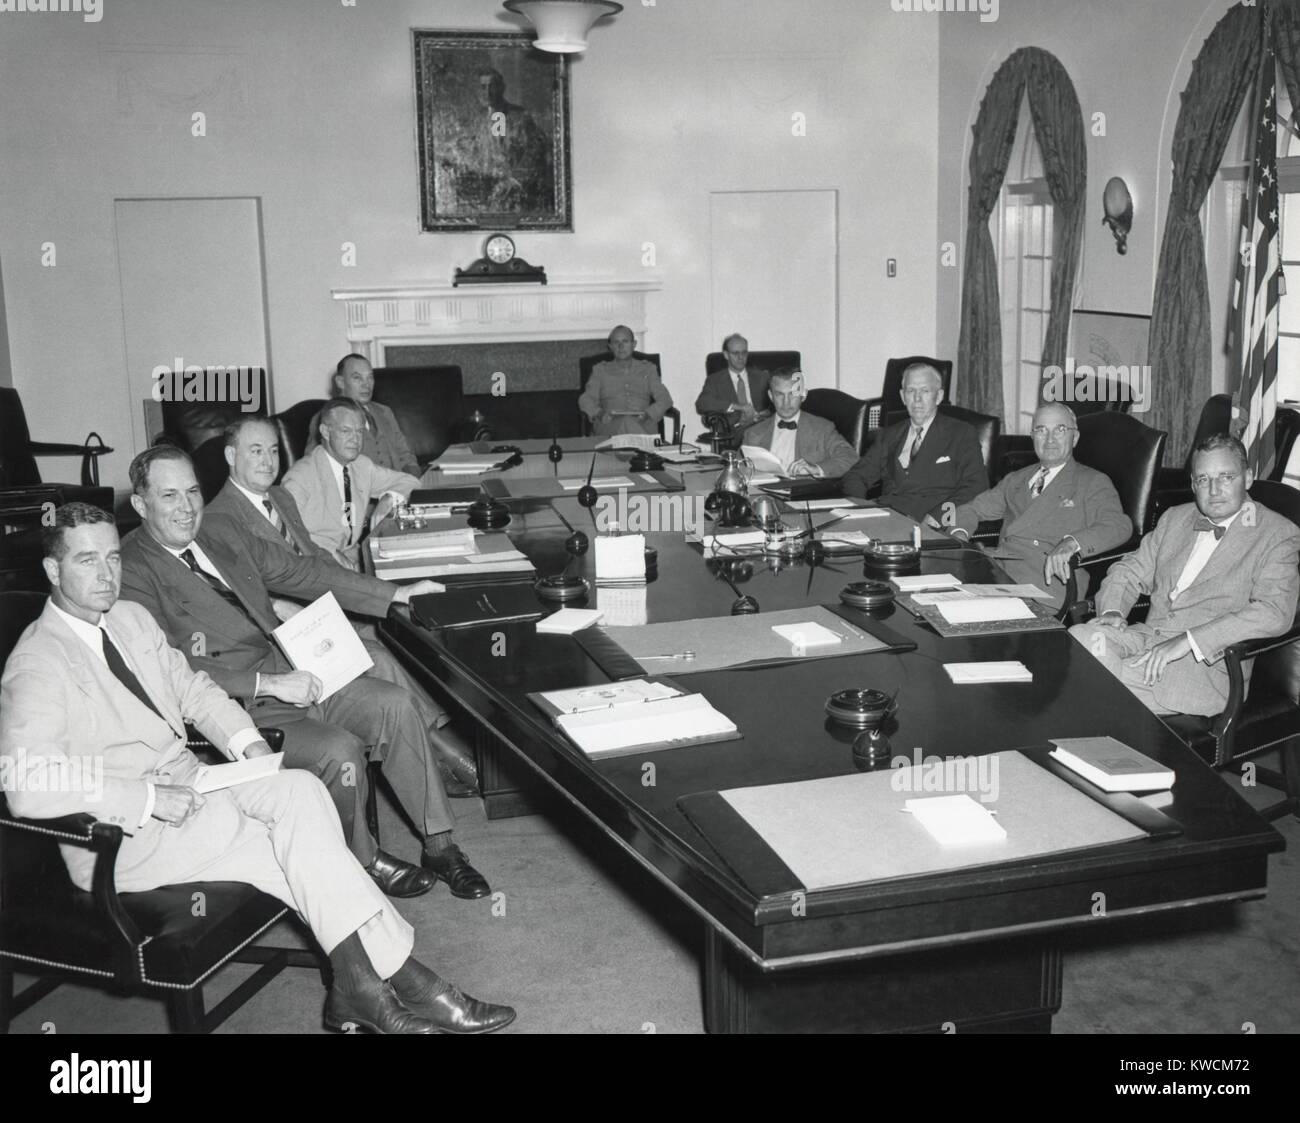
<point>924,462</point>
<point>1051,510</point>
<point>806,445</point>
<point>1218,571</point>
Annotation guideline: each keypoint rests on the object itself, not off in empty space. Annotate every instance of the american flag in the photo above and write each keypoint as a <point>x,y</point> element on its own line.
<point>1259,271</point>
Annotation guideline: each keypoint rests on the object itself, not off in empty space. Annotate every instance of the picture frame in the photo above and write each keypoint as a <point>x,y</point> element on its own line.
<point>1114,344</point>
<point>492,122</point>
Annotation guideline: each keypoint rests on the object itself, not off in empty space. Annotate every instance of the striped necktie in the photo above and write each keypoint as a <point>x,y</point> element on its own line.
<point>1038,483</point>
<point>347,505</point>
<point>216,584</point>
<point>276,521</point>
<point>916,446</point>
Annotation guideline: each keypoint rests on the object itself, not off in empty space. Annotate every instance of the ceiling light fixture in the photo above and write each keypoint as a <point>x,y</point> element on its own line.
<point>562,25</point>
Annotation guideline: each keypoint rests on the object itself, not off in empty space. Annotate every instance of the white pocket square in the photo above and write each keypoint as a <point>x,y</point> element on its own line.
<point>1067,502</point>
<point>943,460</point>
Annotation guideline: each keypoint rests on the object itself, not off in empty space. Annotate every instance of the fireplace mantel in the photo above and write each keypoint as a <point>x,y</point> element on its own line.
<point>391,315</point>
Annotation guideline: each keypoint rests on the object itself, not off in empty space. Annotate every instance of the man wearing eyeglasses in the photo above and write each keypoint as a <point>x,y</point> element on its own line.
<point>1051,510</point>
<point>739,390</point>
<point>1218,571</point>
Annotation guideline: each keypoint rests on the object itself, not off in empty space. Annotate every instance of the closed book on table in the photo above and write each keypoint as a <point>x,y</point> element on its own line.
<point>464,608</point>
<point>1111,764</point>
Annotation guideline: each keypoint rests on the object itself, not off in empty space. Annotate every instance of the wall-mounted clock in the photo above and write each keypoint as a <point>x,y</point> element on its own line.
<point>499,265</point>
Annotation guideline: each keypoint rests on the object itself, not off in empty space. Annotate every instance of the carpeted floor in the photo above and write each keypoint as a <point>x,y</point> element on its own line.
<point>583,945</point>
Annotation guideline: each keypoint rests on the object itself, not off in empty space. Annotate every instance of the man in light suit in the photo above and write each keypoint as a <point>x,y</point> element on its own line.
<point>923,462</point>
<point>384,442</point>
<point>334,484</point>
<point>1218,571</point>
<point>209,586</point>
<point>252,499</point>
<point>1051,510</point>
<point>805,445</point>
<point>93,685</point>
<point>738,390</point>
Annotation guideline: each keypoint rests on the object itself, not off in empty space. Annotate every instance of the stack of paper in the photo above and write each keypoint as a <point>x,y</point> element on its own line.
<point>466,463</point>
<point>731,542</point>
<point>646,442</point>
<point>966,674</point>
<point>763,461</point>
<point>1111,764</point>
<point>806,635</point>
<point>620,559</point>
<point>917,582</point>
<point>617,730</point>
<point>464,553</point>
<point>605,482</point>
<point>439,543</point>
<point>569,620</point>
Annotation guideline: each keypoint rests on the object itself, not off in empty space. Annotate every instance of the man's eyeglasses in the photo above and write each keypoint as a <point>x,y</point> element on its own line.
<point>1223,479</point>
<point>1057,431</point>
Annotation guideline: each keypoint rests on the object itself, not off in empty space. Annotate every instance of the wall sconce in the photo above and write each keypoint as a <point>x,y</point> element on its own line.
<point>562,25</point>
<point>1118,205</point>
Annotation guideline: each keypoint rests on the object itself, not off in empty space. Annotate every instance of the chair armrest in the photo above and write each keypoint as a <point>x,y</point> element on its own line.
<point>85,831</point>
<point>87,451</point>
<point>990,530</point>
<point>272,736</point>
<point>676,415</point>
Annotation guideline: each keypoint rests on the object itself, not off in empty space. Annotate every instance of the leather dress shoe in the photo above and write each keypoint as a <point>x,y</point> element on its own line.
<point>456,786</point>
<point>453,1011</point>
<point>376,1008</point>
<point>398,878</point>
<point>453,867</point>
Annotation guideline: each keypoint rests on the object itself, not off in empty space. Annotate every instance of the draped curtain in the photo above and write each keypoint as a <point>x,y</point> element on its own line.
<point>1179,346</point>
<point>1058,127</point>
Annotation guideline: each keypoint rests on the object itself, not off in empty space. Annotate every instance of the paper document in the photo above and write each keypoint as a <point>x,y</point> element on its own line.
<point>569,620</point>
<point>439,543</point>
<point>824,504</point>
<point>1033,592</point>
<point>633,692</point>
<point>983,610</point>
<point>463,463</point>
<point>867,513</point>
<point>745,540</point>
<point>644,441</point>
<point>918,582</point>
<point>965,674</point>
<point>685,719</point>
<point>686,454</point>
<point>320,639</point>
<point>620,558</point>
<point>955,820</point>
<point>598,482</point>
<point>762,459</point>
<point>214,777</point>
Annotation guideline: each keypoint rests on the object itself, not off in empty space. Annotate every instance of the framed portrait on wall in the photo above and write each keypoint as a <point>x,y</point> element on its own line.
<point>492,116</point>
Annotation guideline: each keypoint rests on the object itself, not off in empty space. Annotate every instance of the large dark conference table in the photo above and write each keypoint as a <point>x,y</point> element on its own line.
<point>975,949</point>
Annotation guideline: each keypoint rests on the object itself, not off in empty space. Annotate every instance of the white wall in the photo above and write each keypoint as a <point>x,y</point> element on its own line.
<point>1127,60</point>
<point>310,107</point>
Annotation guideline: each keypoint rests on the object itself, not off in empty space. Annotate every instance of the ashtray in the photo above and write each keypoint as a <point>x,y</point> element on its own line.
<point>561,589</point>
<point>488,514</point>
<point>867,595</point>
<point>860,709</point>
<point>892,555</point>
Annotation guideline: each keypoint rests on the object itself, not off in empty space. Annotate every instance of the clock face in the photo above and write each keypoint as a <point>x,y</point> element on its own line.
<point>499,248</point>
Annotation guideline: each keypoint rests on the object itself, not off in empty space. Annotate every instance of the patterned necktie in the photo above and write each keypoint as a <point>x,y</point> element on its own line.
<point>787,425</point>
<point>347,504</point>
<point>742,395</point>
<point>1039,482</point>
<point>1202,523</point>
<point>276,521</point>
<point>916,446</point>
<point>116,664</point>
<point>216,584</point>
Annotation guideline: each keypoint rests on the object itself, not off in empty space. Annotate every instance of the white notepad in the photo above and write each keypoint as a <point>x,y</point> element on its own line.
<point>214,777</point>
<point>620,557</point>
<point>569,620</point>
<point>982,610</point>
<point>956,820</point>
<point>807,634</point>
<point>965,674</point>
<point>918,582</point>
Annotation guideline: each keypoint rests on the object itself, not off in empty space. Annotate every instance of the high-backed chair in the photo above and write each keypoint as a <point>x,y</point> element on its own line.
<point>197,427</point>
<point>891,391</point>
<point>1093,395</point>
<point>847,413</point>
<point>587,364</point>
<point>986,426</point>
<point>428,403</point>
<point>154,943</point>
<point>25,497</point>
<point>294,428</point>
<point>762,360</point>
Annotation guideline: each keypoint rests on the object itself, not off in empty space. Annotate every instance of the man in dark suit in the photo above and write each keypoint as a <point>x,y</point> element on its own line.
<point>209,585</point>
<point>264,509</point>
<point>923,462</point>
<point>383,441</point>
<point>1051,510</point>
<point>805,445</point>
<point>1220,570</point>
<point>738,390</point>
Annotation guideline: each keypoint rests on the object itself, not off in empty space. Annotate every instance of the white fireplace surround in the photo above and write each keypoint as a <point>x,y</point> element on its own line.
<point>406,315</point>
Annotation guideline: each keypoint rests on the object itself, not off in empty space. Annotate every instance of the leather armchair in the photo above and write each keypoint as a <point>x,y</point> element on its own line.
<point>848,414</point>
<point>149,943</point>
<point>294,428</point>
<point>762,360</point>
<point>587,364</point>
<point>891,391</point>
<point>429,405</point>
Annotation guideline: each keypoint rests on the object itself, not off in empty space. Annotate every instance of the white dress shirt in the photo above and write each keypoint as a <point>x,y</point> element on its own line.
<point>259,501</point>
<point>905,453</point>
<point>783,440</point>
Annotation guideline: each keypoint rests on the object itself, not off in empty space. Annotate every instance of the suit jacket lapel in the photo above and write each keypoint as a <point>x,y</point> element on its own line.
<point>295,539</point>
<point>1224,557</point>
<point>230,567</point>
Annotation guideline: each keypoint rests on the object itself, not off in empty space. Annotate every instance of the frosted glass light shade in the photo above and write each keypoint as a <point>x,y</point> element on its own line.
<point>562,25</point>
